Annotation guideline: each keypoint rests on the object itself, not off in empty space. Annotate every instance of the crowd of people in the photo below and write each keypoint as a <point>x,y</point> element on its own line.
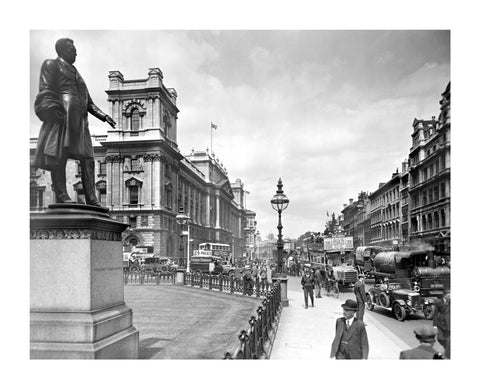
<point>257,273</point>
<point>351,339</point>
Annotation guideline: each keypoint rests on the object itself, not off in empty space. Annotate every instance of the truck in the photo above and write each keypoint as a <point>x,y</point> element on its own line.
<point>364,256</point>
<point>417,271</point>
<point>206,264</point>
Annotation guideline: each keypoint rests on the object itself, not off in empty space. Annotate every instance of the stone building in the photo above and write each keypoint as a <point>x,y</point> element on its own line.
<point>144,180</point>
<point>430,179</point>
<point>355,218</point>
<point>385,213</point>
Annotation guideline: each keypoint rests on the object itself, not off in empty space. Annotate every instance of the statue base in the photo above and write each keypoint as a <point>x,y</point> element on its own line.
<point>77,308</point>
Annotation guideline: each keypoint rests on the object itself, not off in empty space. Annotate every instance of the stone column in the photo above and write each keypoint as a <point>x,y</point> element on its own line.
<point>77,308</point>
<point>217,218</point>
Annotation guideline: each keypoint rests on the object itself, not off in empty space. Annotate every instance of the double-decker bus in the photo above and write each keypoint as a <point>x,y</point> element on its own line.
<point>216,249</point>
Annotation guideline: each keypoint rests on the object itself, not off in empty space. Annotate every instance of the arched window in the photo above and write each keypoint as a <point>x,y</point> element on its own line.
<point>135,124</point>
<point>436,221</point>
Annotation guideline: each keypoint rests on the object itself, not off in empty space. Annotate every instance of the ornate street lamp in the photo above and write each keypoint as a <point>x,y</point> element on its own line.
<point>183,220</point>
<point>279,203</point>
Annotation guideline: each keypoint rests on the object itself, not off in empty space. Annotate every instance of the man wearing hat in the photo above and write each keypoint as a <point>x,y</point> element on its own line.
<point>308,283</point>
<point>441,320</point>
<point>351,341</point>
<point>359,290</point>
<point>428,349</point>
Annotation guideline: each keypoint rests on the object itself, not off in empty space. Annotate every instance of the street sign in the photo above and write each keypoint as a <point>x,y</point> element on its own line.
<point>202,252</point>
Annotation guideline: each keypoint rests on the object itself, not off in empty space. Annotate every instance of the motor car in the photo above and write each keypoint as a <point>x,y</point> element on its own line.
<point>228,268</point>
<point>158,264</point>
<point>396,296</point>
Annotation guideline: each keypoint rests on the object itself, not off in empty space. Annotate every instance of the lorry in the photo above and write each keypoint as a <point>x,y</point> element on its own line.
<point>340,264</point>
<point>364,256</point>
<point>206,264</point>
<point>416,271</point>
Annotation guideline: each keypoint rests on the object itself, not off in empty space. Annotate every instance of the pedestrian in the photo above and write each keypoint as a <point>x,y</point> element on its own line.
<point>308,285</point>
<point>263,276</point>
<point>351,341</point>
<point>427,350</point>
<point>247,281</point>
<point>318,282</point>
<point>441,320</point>
<point>63,104</point>
<point>269,276</point>
<point>360,295</point>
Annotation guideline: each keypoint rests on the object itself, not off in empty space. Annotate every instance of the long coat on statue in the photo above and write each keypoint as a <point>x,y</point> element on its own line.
<point>63,104</point>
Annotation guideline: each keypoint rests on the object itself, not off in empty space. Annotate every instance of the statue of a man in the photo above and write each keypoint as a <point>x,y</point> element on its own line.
<point>63,104</point>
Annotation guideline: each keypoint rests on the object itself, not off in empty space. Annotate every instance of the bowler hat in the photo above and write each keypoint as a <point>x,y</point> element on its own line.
<point>425,333</point>
<point>361,275</point>
<point>350,305</point>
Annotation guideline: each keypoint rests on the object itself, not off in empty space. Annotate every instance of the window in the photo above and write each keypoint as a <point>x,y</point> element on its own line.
<point>442,190</point>
<point>425,174</point>
<point>435,193</point>
<point>430,224</point>
<point>135,120</point>
<point>132,220</point>
<point>430,195</point>
<point>424,223</point>
<point>424,198</point>
<point>102,192</point>
<point>103,169</point>
<point>36,197</point>
<point>133,194</point>
<point>436,221</point>
<point>442,218</point>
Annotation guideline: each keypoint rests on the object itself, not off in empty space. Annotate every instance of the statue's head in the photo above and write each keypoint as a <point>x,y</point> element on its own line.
<point>66,50</point>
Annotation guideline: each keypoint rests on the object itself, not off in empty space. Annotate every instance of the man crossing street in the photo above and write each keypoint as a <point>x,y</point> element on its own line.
<point>360,295</point>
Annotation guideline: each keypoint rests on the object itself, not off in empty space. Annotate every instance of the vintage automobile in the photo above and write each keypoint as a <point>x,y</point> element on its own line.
<point>206,264</point>
<point>418,267</point>
<point>157,264</point>
<point>228,268</point>
<point>345,275</point>
<point>397,296</point>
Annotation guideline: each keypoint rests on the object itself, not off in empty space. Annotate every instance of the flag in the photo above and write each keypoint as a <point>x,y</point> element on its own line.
<point>214,126</point>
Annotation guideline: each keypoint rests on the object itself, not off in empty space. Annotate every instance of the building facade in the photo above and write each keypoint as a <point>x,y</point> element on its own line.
<point>385,213</point>
<point>430,179</point>
<point>355,218</point>
<point>144,180</point>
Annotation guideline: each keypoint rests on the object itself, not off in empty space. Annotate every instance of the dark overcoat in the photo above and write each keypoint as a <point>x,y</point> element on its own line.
<point>355,336</point>
<point>421,352</point>
<point>63,104</point>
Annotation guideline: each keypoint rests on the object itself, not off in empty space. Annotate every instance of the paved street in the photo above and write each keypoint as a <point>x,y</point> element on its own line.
<point>308,333</point>
<point>176,322</point>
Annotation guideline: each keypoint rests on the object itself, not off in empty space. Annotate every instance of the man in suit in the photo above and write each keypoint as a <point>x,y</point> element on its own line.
<point>441,320</point>
<point>63,104</point>
<point>359,290</point>
<point>318,282</point>
<point>427,350</point>
<point>351,341</point>
<point>308,283</point>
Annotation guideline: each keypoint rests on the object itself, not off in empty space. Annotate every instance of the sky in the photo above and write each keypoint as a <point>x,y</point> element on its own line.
<point>328,111</point>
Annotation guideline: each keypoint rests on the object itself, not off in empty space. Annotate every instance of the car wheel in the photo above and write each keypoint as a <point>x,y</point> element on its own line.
<point>428,312</point>
<point>399,312</point>
<point>384,299</point>
<point>369,303</point>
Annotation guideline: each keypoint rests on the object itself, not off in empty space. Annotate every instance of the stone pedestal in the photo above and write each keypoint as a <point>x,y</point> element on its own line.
<point>77,308</point>
<point>283,287</point>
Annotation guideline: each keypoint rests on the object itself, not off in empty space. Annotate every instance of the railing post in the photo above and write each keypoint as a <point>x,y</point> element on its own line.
<point>243,337</point>
<point>253,341</point>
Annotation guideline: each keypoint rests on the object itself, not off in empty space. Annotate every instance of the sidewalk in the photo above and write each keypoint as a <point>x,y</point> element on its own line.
<point>308,333</point>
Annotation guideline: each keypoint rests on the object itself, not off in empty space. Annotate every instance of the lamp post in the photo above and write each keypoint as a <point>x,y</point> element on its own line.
<point>279,203</point>
<point>183,220</point>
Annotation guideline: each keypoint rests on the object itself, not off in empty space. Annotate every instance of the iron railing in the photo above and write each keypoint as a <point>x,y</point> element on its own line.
<point>257,341</point>
<point>145,278</point>
<point>227,284</point>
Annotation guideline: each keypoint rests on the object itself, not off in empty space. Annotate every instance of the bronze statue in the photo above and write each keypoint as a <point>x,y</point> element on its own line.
<point>63,104</point>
